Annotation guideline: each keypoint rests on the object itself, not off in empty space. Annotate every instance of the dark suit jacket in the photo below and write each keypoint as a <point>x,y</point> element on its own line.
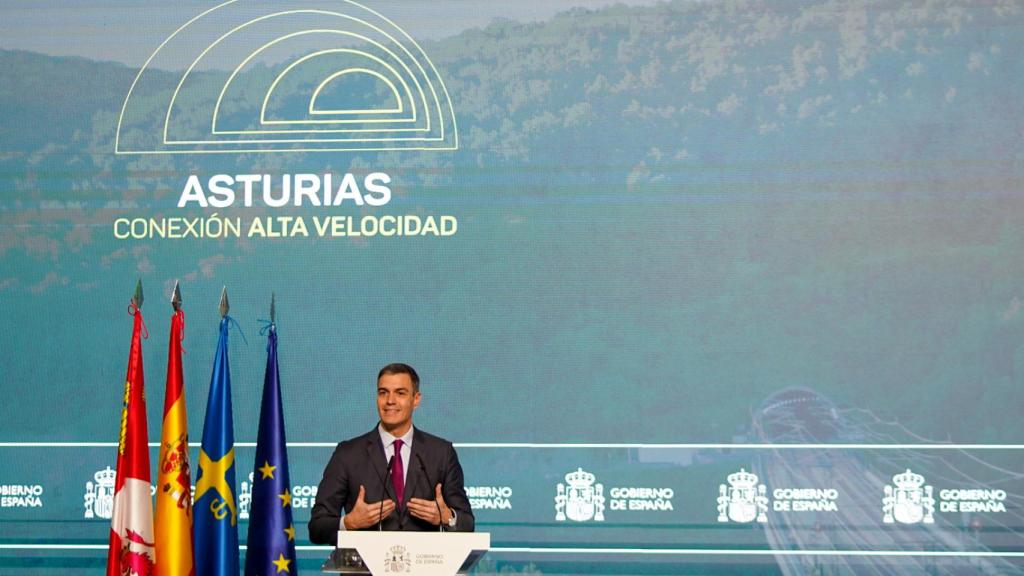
<point>361,461</point>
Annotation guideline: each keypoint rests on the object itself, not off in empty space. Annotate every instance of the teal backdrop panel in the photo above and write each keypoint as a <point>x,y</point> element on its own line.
<point>695,287</point>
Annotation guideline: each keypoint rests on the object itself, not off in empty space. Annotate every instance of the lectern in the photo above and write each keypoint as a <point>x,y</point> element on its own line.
<point>407,553</point>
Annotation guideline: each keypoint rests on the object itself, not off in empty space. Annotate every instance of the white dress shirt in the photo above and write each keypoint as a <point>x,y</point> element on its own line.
<point>389,449</point>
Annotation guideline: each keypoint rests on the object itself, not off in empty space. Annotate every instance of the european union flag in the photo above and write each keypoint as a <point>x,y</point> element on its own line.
<point>271,545</point>
<point>216,515</point>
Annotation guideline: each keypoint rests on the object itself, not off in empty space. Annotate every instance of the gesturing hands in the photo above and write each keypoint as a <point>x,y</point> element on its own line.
<point>365,514</point>
<point>428,509</point>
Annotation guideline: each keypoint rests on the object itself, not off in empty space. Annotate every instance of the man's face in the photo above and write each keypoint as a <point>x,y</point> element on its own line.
<point>396,401</point>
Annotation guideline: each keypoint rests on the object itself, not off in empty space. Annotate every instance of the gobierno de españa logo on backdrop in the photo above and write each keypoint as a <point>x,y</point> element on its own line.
<point>581,498</point>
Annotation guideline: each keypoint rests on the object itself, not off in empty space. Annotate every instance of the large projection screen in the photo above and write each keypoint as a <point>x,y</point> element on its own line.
<point>694,287</point>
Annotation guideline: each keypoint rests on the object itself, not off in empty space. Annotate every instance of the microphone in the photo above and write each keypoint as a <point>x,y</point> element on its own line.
<point>384,484</point>
<point>430,490</point>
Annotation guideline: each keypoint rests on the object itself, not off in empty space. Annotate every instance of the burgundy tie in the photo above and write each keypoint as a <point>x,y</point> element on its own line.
<point>398,474</point>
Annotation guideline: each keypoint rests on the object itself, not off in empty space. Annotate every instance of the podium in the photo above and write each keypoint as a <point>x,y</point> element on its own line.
<point>406,553</point>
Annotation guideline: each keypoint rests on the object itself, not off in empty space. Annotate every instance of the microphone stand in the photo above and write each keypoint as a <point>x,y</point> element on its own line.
<point>384,483</point>
<point>440,517</point>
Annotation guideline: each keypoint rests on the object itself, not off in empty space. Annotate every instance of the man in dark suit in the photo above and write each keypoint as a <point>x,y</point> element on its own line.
<point>424,475</point>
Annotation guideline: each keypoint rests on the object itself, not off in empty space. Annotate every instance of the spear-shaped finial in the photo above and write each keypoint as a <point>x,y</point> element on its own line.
<point>224,307</point>
<point>137,298</point>
<point>273,311</point>
<point>176,297</point>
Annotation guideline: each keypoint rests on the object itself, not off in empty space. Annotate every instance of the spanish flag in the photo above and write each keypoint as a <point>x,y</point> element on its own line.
<point>174,483</point>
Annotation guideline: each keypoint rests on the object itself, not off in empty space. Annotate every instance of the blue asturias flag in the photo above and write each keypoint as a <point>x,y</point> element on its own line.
<point>215,508</point>
<point>271,544</point>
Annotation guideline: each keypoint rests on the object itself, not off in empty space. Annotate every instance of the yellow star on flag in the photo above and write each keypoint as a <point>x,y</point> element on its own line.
<point>267,470</point>
<point>290,531</point>
<point>281,563</point>
<point>286,499</point>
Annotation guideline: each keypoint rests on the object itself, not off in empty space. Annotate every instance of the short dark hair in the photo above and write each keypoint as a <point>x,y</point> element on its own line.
<point>399,368</point>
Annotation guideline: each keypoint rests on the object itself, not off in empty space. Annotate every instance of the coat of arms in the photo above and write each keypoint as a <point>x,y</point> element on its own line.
<point>743,500</point>
<point>579,499</point>
<point>909,502</point>
<point>397,560</point>
<point>99,494</point>
<point>174,468</point>
<point>245,498</point>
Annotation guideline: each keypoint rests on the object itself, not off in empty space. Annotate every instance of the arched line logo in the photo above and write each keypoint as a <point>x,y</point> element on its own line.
<point>291,76</point>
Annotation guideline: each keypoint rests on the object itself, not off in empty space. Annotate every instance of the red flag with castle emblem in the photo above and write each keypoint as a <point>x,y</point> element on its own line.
<point>131,551</point>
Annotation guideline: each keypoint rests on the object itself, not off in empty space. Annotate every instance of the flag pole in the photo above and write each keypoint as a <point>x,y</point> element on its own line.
<point>224,306</point>
<point>176,297</point>
<point>137,297</point>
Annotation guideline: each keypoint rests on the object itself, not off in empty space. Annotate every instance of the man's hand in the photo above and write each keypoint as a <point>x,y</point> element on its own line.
<point>365,514</point>
<point>428,509</point>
